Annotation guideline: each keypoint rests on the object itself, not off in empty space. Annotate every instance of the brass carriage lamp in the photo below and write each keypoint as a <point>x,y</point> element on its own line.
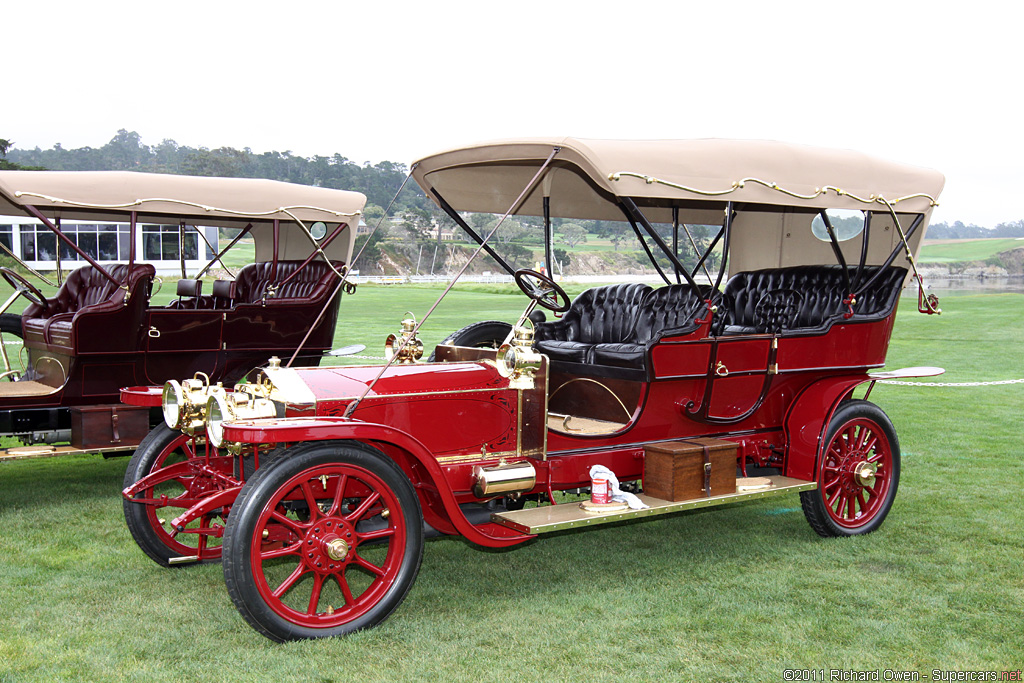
<point>517,360</point>
<point>404,347</point>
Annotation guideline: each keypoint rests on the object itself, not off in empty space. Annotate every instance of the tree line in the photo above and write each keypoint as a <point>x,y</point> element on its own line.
<point>126,152</point>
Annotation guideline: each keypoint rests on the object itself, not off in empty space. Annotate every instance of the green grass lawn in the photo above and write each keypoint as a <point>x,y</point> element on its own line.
<point>739,593</point>
<point>966,250</point>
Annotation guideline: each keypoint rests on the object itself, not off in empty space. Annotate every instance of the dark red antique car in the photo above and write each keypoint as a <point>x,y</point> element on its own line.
<point>316,485</point>
<point>102,331</point>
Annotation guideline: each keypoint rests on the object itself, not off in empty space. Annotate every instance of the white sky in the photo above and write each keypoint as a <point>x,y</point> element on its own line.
<point>915,82</point>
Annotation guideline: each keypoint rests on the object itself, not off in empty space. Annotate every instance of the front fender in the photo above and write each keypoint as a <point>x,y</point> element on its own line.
<point>323,428</point>
<point>808,418</point>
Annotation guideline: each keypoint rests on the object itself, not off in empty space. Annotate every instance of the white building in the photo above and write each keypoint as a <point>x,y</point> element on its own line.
<point>161,245</point>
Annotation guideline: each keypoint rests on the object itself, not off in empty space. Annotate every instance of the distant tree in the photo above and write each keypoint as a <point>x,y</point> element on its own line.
<point>510,231</point>
<point>6,165</point>
<point>573,234</point>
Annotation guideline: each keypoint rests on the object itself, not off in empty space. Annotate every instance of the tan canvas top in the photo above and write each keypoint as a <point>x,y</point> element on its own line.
<point>233,202</point>
<point>587,175</point>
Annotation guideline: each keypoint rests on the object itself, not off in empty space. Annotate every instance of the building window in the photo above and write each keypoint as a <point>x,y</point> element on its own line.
<point>160,243</point>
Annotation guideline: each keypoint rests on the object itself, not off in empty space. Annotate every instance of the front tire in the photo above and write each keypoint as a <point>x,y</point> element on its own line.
<point>858,472</point>
<point>149,522</point>
<point>325,540</point>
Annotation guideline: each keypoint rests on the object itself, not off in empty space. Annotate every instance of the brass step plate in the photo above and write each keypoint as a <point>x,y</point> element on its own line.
<point>548,518</point>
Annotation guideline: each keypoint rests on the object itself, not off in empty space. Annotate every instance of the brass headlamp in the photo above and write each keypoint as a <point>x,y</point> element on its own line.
<point>245,403</point>
<point>184,405</point>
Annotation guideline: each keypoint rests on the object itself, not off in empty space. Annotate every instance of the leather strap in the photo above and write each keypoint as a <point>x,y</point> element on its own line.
<point>113,425</point>
<point>707,470</point>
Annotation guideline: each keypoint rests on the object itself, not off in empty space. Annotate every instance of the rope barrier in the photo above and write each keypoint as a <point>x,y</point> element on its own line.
<point>952,384</point>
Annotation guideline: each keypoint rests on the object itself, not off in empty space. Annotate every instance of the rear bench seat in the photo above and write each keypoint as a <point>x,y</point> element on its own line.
<point>808,298</point>
<point>313,282</point>
<point>612,327</point>
<point>316,280</point>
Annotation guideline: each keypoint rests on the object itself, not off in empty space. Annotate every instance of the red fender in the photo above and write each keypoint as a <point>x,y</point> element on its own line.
<point>292,430</point>
<point>209,504</point>
<point>808,418</point>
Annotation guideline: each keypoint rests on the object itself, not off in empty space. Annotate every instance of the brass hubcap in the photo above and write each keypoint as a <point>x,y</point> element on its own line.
<point>864,473</point>
<point>337,549</point>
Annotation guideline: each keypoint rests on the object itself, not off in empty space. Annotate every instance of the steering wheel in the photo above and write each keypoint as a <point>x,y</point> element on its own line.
<point>543,290</point>
<point>23,286</point>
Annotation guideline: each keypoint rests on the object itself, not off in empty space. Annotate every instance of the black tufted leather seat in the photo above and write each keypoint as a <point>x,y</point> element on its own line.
<point>600,315</point>
<point>817,300</point>
<point>85,292</point>
<point>674,307</point>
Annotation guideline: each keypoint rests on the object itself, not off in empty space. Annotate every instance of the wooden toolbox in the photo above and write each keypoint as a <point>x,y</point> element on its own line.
<point>103,426</point>
<point>683,470</point>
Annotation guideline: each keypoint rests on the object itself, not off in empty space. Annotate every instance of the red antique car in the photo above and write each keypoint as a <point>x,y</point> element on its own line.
<point>102,331</point>
<point>317,486</point>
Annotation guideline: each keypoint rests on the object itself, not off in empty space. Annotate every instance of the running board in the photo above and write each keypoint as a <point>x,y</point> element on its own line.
<point>48,451</point>
<point>548,518</point>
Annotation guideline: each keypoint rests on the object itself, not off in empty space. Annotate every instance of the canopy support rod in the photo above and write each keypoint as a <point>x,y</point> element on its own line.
<point>454,215</point>
<point>202,236</point>
<point>60,275</point>
<point>675,238</point>
<point>727,231</point>
<point>643,243</point>
<point>863,248</point>
<point>635,213</point>
<point>548,236</point>
<point>892,257</point>
<point>696,253</point>
<point>836,249</point>
<point>412,335</point>
<point>92,262</point>
<point>181,248</point>
<point>707,253</point>
<point>243,233</point>
<point>133,229</point>
<point>277,247</point>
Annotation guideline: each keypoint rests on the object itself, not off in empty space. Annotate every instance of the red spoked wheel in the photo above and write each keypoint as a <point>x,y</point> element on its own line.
<point>325,540</point>
<point>186,480</point>
<point>858,472</point>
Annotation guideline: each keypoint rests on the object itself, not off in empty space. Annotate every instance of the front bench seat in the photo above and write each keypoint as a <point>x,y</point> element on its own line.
<point>87,294</point>
<point>673,308</point>
<point>599,315</point>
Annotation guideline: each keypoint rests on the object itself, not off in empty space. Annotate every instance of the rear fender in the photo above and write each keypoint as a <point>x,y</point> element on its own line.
<point>440,507</point>
<point>808,418</point>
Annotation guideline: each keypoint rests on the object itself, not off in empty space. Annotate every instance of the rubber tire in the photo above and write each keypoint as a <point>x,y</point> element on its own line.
<point>257,493</point>
<point>10,323</point>
<point>142,464</point>
<point>813,502</point>
<point>488,334</point>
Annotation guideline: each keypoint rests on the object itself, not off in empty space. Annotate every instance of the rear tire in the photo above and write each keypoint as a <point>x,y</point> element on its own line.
<point>858,472</point>
<point>325,540</point>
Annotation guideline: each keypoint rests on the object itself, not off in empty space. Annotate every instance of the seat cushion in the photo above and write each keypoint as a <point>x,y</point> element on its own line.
<point>576,352</point>
<point>622,355</point>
